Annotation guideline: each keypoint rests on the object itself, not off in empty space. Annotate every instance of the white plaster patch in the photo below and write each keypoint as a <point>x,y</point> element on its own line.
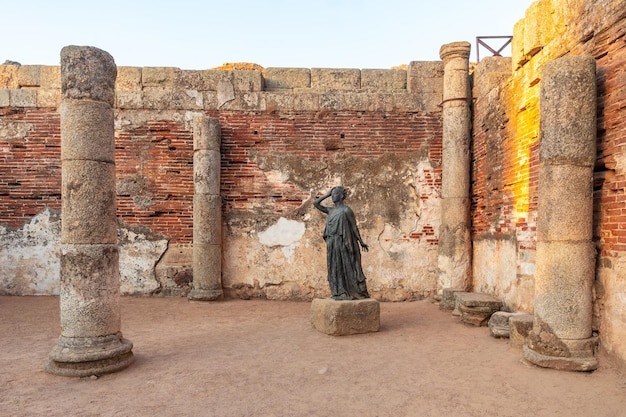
<point>138,258</point>
<point>29,263</point>
<point>285,233</point>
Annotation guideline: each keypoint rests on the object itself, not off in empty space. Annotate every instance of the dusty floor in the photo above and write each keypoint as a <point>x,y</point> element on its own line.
<point>262,358</point>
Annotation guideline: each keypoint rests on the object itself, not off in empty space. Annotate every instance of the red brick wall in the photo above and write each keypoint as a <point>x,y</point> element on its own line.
<point>312,136</point>
<point>154,162</point>
<point>609,49</point>
<point>30,168</point>
<point>506,141</point>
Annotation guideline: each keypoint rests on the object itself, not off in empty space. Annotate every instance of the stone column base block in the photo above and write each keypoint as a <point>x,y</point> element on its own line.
<point>89,295</point>
<point>578,355</point>
<point>345,317</point>
<point>86,356</point>
<point>207,272</point>
<point>205,295</point>
<point>476,308</point>
<point>519,327</point>
<point>447,298</point>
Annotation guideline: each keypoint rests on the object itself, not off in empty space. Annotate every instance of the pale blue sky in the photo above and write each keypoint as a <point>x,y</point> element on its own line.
<point>194,34</point>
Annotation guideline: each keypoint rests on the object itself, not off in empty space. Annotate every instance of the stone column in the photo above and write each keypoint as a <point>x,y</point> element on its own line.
<point>207,211</point>
<point>454,236</point>
<point>561,337</point>
<point>91,342</point>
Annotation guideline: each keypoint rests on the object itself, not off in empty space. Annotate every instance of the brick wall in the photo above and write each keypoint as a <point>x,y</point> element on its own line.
<point>505,155</point>
<point>30,163</point>
<point>287,135</point>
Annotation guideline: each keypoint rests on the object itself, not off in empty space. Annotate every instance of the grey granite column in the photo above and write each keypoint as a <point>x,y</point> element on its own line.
<point>91,341</point>
<point>455,244</point>
<point>207,211</point>
<point>562,337</point>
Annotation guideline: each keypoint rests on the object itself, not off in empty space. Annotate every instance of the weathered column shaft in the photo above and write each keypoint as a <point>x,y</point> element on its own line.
<point>207,211</point>
<point>91,341</point>
<point>454,237</point>
<point>562,334</point>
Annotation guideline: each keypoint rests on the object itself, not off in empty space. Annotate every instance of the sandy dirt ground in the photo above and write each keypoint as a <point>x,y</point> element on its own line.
<point>262,358</point>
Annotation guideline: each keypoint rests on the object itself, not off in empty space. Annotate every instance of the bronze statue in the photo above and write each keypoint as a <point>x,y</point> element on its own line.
<point>343,257</point>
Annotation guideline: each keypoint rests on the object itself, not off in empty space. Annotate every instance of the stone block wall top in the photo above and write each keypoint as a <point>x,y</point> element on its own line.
<point>381,79</point>
<point>329,79</point>
<point>490,73</point>
<point>50,77</point>
<point>8,76</point>
<point>274,89</point>
<point>287,78</point>
<point>425,77</point>
<point>158,76</point>
<point>537,26</point>
<point>128,78</point>
<point>5,98</point>
<point>28,75</point>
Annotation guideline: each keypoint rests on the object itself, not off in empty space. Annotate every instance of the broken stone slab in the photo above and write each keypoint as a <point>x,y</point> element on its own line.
<point>345,317</point>
<point>500,323</point>
<point>476,308</point>
<point>448,302</point>
<point>520,325</point>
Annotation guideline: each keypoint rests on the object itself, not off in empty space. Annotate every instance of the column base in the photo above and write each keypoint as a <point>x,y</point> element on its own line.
<point>205,295</point>
<point>577,356</point>
<point>86,356</point>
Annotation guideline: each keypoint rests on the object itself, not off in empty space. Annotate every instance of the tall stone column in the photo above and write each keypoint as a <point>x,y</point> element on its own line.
<point>207,211</point>
<point>455,244</point>
<point>561,337</point>
<point>91,341</point>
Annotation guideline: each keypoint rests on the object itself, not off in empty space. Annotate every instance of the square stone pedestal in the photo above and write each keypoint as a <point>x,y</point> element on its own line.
<point>345,317</point>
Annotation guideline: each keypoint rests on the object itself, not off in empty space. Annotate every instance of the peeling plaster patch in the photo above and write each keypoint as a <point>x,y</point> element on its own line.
<point>138,258</point>
<point>14,131</point>
<point>29,261</point>
<point>277,177</point>
<point>30,258</point>
<point>285,233</point>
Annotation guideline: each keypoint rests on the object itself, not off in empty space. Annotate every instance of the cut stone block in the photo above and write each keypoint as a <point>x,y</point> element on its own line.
<point>500,323</point>
<point>345,317</point>
<point>447,299</point>
<point>455,311</point>
<point>477,308</point>
<point>519,326</point>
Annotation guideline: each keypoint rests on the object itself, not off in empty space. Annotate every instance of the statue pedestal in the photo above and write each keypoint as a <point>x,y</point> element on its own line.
<point>345,317</point>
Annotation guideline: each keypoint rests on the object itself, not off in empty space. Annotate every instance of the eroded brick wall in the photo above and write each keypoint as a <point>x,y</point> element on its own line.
<point>506,143</point>
<point>30,163</point>
<point>287,135</point>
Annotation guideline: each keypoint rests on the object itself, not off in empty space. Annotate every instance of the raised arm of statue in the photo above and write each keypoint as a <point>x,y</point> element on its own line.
<point>318,202</point>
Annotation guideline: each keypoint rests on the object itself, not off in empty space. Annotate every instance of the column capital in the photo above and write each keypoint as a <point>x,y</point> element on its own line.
<point>455,50</point>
